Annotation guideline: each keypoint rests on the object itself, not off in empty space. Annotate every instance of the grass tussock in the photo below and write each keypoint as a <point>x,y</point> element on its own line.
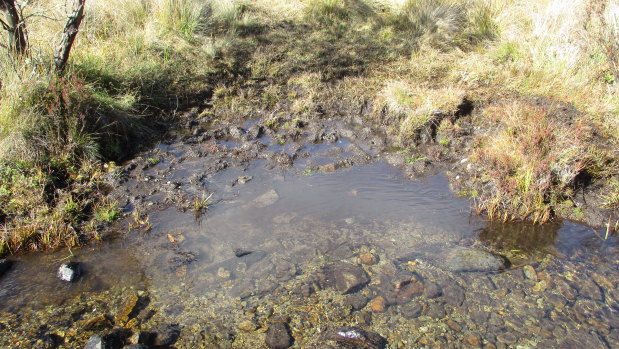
<point>531,160</point>
<point>418,111</point>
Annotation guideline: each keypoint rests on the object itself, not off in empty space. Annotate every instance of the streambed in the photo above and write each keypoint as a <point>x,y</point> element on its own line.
<point>242,237</point>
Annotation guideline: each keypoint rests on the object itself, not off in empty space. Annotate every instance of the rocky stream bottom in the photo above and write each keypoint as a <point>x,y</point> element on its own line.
<point>237,237</point>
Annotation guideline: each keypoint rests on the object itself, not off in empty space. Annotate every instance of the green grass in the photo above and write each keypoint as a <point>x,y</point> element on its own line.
<point>107,211</point>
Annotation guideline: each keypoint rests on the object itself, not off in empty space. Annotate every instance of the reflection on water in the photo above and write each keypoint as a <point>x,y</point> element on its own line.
<point>520,235</point>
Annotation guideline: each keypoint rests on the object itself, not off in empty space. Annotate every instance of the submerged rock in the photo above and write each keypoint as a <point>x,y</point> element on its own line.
<point>278,335</point>
<point>248,325</point>
<point>378,304</point>
<point>368,258</point>
<point>463,259</point>
<point>356,301</point>
<point>69,271</point>
<point>355,337</point>
<point>5,265</point>
<point>95,342</point>
<point>236,132</point>
<point>127,309</point>
<point>239,252</point>
<point>167,335</point>
<point>346,278</point>
<point>266,199</point>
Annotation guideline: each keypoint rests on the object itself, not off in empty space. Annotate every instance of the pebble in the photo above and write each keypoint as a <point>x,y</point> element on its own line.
<point>453,295</point>
<point>244,179</point>
<point>356,301</point>
<point>431,290</point>
<point>344,277</point>
<point>354,337</point>
<point>529,272</point>
<point>454,325</point>
<point>378,304</point>
<point>411,311</point>
<point>248,325</point>
<point>472,339</point>
<point>407,292</point>
<point>127,309</point>
<point>507,338</point>
<point>69,271</point>
<point>368,258</point>
<point>96,323</point>
<point>95,342</point>
<point>278,336</point>
<point>540,286</point>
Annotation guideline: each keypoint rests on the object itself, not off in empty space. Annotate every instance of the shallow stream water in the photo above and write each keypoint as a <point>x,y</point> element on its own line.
<point>262,246</point>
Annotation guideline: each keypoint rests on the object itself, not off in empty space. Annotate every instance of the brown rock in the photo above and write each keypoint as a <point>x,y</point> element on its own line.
<point>368,258</point>
<point>127,309</point>
<point>540,286</point>
<point>472,339</point>
<point>529,272</point>
<point>354,337</point>
<point>96,323</point>
<point>132,323</point>
<point>278,336</point>
<point>406,293</point>
<point>431,290</point>
<point>344,277</point>
<point>248,325</point>
<point>378,304</point>
<point>454,325</point>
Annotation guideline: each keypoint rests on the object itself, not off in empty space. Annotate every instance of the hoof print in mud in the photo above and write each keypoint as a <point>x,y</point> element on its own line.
<point>69,272</point>
<point>353,337</point>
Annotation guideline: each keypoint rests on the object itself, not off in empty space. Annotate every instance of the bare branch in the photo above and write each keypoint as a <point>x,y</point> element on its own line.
<point>71,28</point>
<point>4,25</point>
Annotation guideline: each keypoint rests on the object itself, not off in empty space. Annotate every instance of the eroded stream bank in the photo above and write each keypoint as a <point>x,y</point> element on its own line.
<point>249,237</point>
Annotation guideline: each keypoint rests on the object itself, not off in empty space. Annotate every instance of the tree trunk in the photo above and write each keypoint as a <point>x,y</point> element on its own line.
<point>71,28</point>
<point>15,26</point>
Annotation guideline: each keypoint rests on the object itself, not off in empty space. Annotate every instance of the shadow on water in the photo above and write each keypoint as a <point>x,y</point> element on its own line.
<point>520,235</point>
